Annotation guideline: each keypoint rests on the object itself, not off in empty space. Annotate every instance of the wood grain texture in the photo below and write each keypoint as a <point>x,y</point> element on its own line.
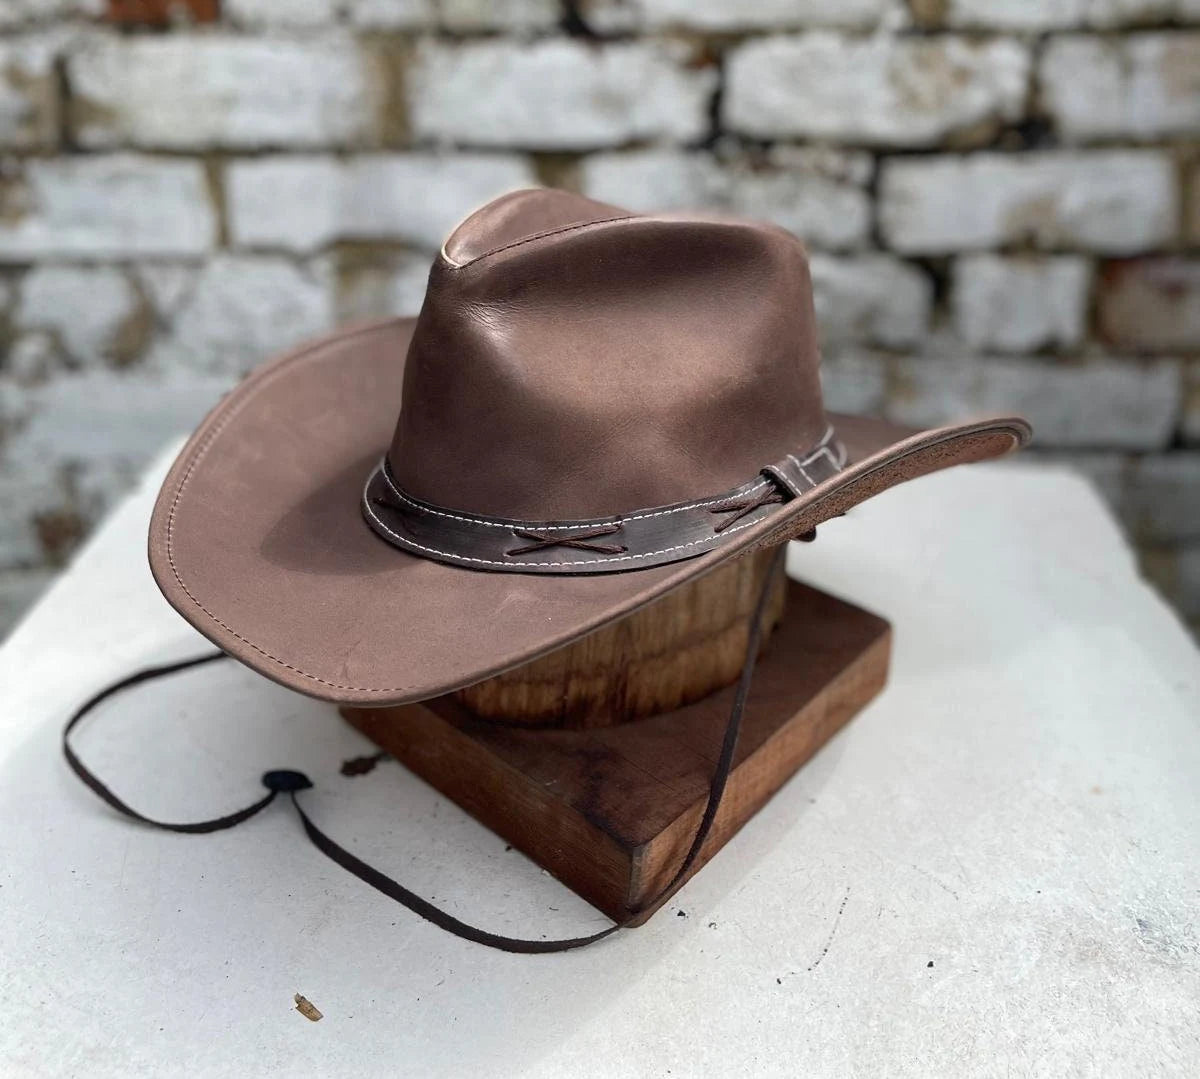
<point>612,810</point>
<point>669,654</point>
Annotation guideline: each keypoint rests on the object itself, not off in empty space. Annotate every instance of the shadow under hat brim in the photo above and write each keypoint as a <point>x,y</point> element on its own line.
<point>258,540</point>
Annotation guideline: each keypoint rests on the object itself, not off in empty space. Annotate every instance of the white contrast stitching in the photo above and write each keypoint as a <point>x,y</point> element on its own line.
<point>580,562</point>
<point>383,471</point>
<point>824,451</point>
<point>811,481</point>
<point>822,448</point>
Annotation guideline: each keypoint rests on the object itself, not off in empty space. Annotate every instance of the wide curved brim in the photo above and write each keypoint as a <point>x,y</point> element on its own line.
<point>257,537</point>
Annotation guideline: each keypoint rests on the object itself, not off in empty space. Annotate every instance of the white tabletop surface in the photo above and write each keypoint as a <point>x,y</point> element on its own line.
<point>994,870</point>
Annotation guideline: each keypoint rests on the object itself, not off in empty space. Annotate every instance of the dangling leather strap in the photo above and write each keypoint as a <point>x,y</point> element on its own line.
<point>291,783</point>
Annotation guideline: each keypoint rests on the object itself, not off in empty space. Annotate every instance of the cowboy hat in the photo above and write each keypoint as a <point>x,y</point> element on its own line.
<point>593,407</point>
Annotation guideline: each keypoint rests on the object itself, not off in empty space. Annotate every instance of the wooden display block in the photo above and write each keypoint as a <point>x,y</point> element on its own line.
<point>611,811</point>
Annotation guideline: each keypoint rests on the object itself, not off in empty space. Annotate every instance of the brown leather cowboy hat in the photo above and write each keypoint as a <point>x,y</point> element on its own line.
<point>594,408</point>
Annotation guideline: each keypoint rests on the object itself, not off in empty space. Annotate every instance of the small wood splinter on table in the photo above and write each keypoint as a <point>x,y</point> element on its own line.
<point>307,1009</point>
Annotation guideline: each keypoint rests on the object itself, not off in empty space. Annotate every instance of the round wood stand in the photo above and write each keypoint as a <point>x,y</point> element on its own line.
<point>671,653</point>
<point>595,759</point>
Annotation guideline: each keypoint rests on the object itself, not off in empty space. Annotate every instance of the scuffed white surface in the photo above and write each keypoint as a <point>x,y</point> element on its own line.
<point>1020,807</point>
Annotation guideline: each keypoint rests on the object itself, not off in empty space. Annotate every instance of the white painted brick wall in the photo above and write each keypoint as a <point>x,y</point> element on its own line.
<point>883,91</point>
<point>87,415</point>
<point>1143,87</point>
<point>18,13</point>
<point>392,14</point>
<point>257,14</point>
<point>1118,403</point>
<point>1112,201</point>
<point>558,95</point>
<point>1020,304</point>
<point>29,101</point>
<point>193,92</point>
<point>380,286</point>
<point>1040,15</point>
<point>463,16</point>
<point>875,299</point>
<point>302,203</point>
<point>32,357</point>
<point>825,212</point>
<point>87,307</point>
<point>806,196</point>
<point>725,15</point>
<point>25,495</point>
<point>109,206</point>
<point>84,436</point>
<point>179,203</point>
<point>165,285</point>
<point>240,310</point>
<point>856,383</point>
<point>647,180</point>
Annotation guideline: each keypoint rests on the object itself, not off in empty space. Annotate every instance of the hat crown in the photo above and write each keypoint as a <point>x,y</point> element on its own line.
<point>573,360</point>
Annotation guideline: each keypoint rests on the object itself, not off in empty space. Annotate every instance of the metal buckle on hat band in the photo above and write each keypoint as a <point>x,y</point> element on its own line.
<point>634,540</point>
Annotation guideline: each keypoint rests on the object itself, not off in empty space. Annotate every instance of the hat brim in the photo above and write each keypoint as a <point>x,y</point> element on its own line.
<point>257,538</point>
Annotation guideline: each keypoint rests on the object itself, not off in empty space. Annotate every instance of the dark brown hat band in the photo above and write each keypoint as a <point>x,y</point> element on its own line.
<point>635,540</point>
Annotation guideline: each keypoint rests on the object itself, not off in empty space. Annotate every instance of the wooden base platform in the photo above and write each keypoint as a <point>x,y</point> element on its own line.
<point>612,811</point>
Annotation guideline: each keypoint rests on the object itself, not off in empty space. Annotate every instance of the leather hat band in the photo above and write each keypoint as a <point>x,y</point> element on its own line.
<point>634,540</point>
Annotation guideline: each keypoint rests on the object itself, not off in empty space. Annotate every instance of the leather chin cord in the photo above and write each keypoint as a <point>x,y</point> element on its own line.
<point>291,783</point>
